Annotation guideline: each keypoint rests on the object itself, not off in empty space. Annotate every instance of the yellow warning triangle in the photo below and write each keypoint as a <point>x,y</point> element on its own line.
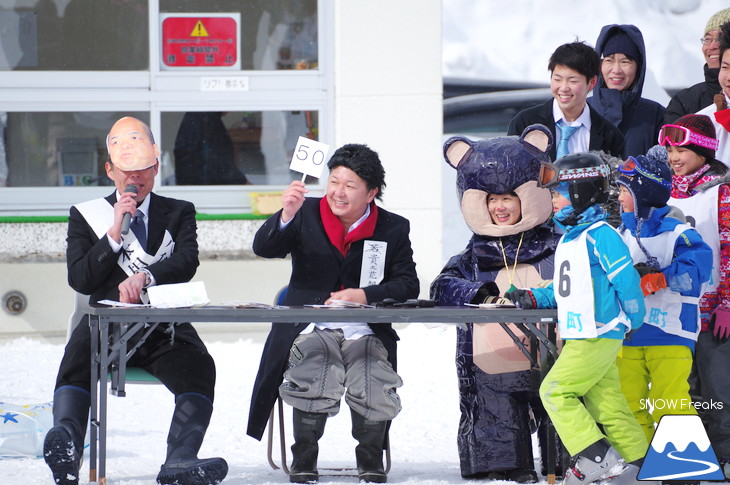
<point>199,30</point>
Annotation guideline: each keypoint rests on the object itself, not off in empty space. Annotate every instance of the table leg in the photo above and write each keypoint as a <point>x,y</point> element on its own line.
<point>546,362</point>
<point>103,369</point>
<point>93,428</point>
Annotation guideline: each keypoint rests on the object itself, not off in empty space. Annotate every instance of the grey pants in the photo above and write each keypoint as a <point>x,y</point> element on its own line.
<point>323,364</point>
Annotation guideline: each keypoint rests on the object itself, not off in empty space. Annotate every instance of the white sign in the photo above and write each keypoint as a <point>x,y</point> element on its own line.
<point>309,157</point>
<point>373,263</point>
<point>239,83</point>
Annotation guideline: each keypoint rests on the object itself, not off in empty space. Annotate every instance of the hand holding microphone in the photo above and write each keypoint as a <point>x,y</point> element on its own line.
<point>128,216</point>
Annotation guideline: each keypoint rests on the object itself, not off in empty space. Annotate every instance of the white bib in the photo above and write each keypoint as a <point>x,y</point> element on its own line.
<point>663,308</point>
<point>573,287</point>
<point>701,213</point>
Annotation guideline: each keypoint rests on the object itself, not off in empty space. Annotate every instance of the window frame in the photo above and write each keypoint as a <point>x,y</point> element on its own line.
<point>156,91</point>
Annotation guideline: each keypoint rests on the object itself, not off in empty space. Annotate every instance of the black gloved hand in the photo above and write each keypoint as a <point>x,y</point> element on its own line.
<point>488,289</point>
<point>522,299</point>
<point>644,269</point>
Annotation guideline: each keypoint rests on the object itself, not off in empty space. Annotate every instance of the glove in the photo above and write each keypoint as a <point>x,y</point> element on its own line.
<point>643,269</point>
<point>497,300</point>
<point>630,334</point>
<point>653,282</point>
<point>720,325</point>
<point>522,299</point>
<point>488,289</point>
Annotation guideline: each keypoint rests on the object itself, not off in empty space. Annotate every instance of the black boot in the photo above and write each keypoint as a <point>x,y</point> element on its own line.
<point>308,429</point>
<point>63,447</point>
<point>369,452</point>
<point>182,466</point>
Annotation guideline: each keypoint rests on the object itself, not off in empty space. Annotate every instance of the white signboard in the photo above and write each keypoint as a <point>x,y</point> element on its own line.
<point>309,157</point>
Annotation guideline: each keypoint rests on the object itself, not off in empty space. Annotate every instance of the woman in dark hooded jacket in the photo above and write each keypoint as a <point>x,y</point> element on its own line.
<point>617,95</point>
<point>511,245</point>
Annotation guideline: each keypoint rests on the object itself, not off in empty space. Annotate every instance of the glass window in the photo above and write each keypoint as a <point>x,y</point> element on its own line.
<point>232,148</point>
<point>74,35</point>
<point>50,149</point>
<point>275,34</point>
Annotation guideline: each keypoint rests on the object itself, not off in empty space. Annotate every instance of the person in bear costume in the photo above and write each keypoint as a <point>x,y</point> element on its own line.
<point>498,403</point>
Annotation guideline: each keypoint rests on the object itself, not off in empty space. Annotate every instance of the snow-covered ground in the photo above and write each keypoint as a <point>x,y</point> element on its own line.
<point>423,436</point>
<point>487,39</point>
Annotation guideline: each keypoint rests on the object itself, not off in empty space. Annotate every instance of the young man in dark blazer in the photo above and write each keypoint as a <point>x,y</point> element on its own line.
<point>574,70</point>
<point>105,263</point>
<point>343,247</point>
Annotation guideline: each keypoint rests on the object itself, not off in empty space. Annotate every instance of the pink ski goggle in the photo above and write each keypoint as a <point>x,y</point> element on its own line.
<point>676,135</point>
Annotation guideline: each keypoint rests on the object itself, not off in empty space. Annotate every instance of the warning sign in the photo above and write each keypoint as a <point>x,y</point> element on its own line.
<point>200,40</point>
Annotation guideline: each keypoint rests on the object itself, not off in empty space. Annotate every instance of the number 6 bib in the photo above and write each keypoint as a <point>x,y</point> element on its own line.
<point>574,288</point>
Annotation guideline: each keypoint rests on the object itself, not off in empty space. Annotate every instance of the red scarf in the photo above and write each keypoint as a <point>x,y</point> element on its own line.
<point>683,186</point>
<point>335,231</point>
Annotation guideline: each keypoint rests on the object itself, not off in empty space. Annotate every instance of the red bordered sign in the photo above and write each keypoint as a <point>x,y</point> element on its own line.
<point>201,41</point>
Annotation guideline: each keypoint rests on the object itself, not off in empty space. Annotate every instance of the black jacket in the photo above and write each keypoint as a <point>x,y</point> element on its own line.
<point>318,268</point>
<point>92,265</point>
<point>604,136</point>
<point>638,119</point>
<point>694,98</point>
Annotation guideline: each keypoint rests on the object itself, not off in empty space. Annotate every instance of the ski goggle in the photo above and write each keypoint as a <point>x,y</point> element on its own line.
<point>548,175</point>
<point>632,167</point>
<point>551,175</point>
<point>676,135</point>
<point>629,166</point>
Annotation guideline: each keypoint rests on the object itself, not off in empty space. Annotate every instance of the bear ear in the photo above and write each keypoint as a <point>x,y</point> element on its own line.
<point>456,150</point>
<point>538,136</point>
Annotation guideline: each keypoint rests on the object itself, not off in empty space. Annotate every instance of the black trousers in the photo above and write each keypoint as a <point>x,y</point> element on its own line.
<point>182,363</point>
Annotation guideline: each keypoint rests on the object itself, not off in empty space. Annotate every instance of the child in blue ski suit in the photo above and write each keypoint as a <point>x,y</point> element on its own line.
<point>675,263</point>
<point>596,291</point>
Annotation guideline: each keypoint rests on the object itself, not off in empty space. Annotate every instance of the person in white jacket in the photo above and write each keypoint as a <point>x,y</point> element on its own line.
<point>718,111</point>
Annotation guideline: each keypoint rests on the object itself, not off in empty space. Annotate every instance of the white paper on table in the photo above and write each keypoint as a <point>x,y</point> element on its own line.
<point>491,305</point>
<point>178,295</point>
<point>122,305</point>
<point>247,304</point>
<point>341,304</point>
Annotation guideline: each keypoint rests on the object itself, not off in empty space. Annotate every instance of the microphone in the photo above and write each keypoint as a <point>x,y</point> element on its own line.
<point>128,216</point>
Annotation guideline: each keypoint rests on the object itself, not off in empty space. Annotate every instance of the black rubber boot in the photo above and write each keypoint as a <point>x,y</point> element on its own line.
<point>182,465</point>
<point>63,447</point>
<point>369,452</point>
<point>308,429</point>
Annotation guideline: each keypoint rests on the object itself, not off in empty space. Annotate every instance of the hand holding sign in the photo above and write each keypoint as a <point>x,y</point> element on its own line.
<point>292,200</point>
<point>309,157</point>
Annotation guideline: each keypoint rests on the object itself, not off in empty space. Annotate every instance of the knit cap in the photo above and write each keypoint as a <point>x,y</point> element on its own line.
<point>620,42</point>
<point>717,20</point>
<point>702,125</point>
<point>648,179</point>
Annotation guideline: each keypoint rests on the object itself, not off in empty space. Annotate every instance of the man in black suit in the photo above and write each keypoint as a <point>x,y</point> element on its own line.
<point>160,248</point>
<point>343,247</point>
<point>576,127</point>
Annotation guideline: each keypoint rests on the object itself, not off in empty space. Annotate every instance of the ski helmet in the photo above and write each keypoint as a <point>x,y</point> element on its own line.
<point>585,174</point>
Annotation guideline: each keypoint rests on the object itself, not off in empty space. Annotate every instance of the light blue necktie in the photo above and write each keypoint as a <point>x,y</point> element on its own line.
<point>566,132</point>
<point>138,228</point>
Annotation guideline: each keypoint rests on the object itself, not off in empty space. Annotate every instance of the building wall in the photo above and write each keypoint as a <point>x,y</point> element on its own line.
<point>388,94</point>
<point>387,65</point>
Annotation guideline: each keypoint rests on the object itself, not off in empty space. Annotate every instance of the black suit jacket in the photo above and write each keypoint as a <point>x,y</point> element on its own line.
<point>318,268</point>
<point>92,265</point>
<point>604,136</point>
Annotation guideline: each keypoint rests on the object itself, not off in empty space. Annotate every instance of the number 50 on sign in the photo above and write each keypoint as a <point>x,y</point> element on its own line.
<point>309,157</point>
